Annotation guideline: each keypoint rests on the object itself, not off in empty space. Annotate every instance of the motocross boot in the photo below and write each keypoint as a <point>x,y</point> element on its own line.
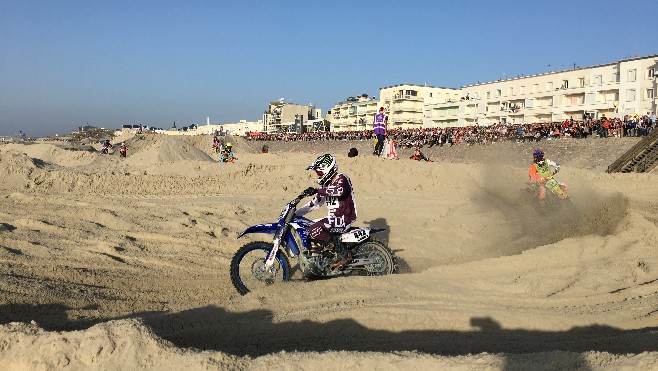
<point>343,253</point>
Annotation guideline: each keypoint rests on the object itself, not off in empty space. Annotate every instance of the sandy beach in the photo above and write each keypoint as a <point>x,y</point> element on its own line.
<point>123,263</point>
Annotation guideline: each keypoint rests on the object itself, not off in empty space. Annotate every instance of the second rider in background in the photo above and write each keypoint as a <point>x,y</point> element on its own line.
<point>540,171</point>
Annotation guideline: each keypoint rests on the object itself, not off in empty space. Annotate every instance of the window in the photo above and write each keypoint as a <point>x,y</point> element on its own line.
<point>632,75</point>
<point>522,90</point>
<point>549,86</point>
<point>649,93</point>
<point>581,82</point>
<point>614,77</point>
<point>498,92</point>
<point>598,79</point>
<point>565,84</point>
<point>590,98</point>
<point>630,95</point>
<point>511,90</point>
<point>488,95</point>
<point>535,88</point>
<point>651,73</point>
<point>411,93</point>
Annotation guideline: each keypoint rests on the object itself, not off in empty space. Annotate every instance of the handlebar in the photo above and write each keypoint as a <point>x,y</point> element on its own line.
<point>310,191</point>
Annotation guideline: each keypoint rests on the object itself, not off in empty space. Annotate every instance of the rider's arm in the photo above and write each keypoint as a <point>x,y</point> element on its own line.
<point>336,188</point>
<point>555,165</point>
<point>532,173</point>
<point>314,204</point>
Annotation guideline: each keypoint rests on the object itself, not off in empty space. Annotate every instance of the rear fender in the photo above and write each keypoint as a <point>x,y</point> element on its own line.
<point>357,235</point>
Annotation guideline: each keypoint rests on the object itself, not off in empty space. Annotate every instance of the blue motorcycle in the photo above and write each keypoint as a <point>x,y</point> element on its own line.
<point>262,263</point>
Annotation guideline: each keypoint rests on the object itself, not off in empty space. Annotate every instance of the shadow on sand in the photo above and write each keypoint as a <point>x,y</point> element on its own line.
<point>254,334</point>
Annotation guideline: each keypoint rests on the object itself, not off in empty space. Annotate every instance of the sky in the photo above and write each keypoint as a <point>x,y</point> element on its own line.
<point>69,63</point>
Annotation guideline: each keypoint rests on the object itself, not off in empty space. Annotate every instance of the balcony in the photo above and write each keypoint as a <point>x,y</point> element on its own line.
<point>407,97</point>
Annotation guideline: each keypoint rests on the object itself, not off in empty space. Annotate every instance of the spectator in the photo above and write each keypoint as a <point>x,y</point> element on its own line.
<point>418,138</point>
<point>379,125</point>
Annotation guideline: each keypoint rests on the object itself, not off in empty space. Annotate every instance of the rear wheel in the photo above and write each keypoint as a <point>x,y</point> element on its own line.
<point>383,260</point>
<point>248,269</point>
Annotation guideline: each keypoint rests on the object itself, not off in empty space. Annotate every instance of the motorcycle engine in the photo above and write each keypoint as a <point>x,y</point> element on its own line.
<point>314,263</point>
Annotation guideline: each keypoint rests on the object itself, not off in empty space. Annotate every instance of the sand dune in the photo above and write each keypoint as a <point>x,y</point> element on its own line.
<point>113,263</point>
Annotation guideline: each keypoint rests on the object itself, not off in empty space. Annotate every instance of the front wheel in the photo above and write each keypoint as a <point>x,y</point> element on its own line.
<point>380,255</point>
<point>248,269</point>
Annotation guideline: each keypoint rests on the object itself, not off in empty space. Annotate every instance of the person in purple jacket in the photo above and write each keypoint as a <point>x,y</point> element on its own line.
<point>337,193</point>
<point>379,124</point>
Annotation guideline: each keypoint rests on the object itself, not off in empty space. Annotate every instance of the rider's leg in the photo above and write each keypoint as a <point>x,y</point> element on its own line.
<point>319,235</point>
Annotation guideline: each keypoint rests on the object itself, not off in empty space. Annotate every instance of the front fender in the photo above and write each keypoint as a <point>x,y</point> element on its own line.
<point>269,228</point>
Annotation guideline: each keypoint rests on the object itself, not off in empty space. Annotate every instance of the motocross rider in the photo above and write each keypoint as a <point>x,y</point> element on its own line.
<point>540,171</point>
<point>227,153</point>
<point>123,149</point>
<point>106,146</point>
<point>337,193</point>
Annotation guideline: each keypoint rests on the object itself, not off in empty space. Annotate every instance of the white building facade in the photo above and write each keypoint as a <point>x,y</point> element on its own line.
<point>625,87</point>
<point>353,114</point>
<point>405,105</point>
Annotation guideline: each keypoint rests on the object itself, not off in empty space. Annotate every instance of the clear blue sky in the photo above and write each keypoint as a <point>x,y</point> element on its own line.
<point>66,63</point>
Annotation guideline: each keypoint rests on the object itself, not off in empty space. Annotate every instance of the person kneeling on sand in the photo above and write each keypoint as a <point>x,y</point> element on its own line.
<point>227,153</point>
<point>419,156</point>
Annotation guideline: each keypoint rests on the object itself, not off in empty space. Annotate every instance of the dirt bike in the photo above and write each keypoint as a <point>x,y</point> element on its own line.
<point>263,263</point>
<point>557,188</point>
<point>555,196</point>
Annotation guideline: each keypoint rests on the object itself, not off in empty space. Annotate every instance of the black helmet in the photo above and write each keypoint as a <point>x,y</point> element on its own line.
<point>325,167</point>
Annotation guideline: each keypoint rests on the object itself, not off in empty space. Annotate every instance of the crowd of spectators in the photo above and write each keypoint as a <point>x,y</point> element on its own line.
<point>629,126</point>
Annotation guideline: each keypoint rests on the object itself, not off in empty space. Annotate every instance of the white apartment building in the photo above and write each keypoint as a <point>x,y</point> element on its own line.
<point>283,116</point>
<point>354,113</point>
<point>240,128</point>
<point>405,105</point>
<point>625,87</point>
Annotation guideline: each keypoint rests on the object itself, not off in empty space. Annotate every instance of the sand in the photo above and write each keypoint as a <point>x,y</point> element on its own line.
<point>123,263</point>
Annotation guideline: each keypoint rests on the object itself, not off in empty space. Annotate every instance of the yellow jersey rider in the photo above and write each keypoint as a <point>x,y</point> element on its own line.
<point>227,153</point>
<point>540,171</point>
